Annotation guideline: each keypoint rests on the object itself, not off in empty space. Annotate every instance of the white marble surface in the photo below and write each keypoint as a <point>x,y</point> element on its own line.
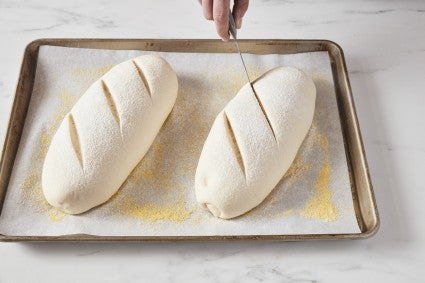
<point>384,43</point>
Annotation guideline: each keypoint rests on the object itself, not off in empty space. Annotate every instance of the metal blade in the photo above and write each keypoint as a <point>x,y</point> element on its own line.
<point>233,32</point>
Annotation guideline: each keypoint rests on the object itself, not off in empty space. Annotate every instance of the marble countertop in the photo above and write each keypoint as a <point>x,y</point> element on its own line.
<point>384,44</point>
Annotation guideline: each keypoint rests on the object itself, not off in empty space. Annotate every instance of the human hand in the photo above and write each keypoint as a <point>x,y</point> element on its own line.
<point>218,11</point>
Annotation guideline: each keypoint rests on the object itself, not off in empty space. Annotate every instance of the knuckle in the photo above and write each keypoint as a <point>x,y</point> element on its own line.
<point>241,6</point>
<point>244,4</point>
<point>220,17</point>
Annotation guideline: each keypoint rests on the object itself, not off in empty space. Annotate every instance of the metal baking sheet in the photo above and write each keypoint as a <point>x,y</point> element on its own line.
<point>362,191</point>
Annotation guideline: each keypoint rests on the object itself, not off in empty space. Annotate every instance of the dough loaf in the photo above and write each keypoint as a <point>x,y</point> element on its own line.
<point>253,142</point>
<point>107,133</point>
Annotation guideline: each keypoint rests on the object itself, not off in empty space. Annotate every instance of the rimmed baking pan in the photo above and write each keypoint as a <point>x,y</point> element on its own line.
<point>362,191</point>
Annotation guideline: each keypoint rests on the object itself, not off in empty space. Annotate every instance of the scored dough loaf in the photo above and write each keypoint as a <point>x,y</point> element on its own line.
<point>253,142</point>
<point>107,133</point>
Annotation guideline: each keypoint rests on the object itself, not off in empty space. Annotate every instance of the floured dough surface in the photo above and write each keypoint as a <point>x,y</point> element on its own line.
<point>107,133</point>
<point>253,142</point>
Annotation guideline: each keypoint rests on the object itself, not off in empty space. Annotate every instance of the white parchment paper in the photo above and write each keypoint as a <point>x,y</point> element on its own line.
<point>314,197</point>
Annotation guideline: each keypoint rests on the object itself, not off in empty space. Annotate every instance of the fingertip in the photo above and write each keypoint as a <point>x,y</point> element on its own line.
<point>222,30</point>
<point>207,9</point>
<point>223,34</point>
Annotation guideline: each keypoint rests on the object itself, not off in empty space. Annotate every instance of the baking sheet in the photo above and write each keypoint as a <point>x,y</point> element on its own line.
<point>158,199</point>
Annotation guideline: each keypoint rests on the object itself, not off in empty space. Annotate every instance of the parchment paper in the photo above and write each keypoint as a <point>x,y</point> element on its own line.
<point>158,198</point>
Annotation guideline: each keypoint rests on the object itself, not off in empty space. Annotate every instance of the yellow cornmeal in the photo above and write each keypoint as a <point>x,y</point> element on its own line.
<point>31,186</point>
<point>237,79</point>
<point>67,101</point>
<point>152,171</point>
<point>270,206</point>
<point>198,215</point>
<point>149,169</point>
<point>147,174</point>
<point>55,215</point>
<point>152,174</point>
<point>297,169</point>
<point>88,75</point>
<point>320,206</point>
<point>33,195</point>
<point>285,213</point>
<point>150,212</point>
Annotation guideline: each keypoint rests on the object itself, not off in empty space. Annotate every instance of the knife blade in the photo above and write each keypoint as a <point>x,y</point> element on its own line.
<point>233,32</point>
